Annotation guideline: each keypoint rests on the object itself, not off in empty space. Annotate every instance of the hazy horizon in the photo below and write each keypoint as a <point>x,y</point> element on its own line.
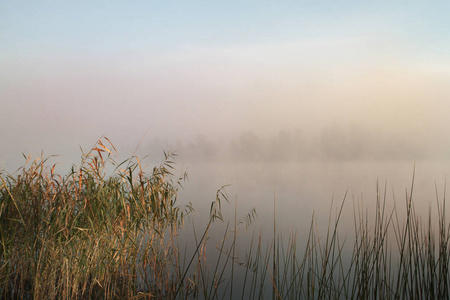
<point>375,74</point>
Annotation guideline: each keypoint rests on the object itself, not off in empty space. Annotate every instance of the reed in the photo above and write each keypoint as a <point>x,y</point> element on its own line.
<point>110,230</point>
<point>89,235</point>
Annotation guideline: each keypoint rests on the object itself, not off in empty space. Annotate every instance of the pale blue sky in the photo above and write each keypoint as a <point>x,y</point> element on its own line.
<point>71,72</point>
<point>102,27</point>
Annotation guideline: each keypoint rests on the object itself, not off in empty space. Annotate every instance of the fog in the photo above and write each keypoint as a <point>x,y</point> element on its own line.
<point>224,112</point>
<point>294,106</point>
<point>299,84</point>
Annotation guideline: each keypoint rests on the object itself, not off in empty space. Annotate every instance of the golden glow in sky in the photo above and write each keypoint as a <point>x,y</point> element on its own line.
<point>70,73</point>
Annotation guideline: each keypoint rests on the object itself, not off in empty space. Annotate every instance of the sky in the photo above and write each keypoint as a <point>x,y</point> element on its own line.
<point>71,72</point>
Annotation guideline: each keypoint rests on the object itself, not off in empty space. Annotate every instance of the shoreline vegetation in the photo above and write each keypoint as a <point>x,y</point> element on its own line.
<point>110,230</point>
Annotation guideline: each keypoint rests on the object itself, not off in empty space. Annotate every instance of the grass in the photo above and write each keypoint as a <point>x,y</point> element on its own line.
<point>110,230</point>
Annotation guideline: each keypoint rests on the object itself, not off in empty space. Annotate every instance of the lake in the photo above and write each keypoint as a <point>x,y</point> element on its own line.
<point>302,189</point>
<point>305,187</point>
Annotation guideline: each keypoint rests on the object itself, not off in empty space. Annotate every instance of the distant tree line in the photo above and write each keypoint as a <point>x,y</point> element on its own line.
<point>333,143</point>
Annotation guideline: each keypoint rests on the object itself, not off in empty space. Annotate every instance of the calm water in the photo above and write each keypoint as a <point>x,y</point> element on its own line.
<point>303,188</point>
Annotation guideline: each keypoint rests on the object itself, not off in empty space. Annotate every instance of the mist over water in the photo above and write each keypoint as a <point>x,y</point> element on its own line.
<point>294,108</point>
<point>303,101</point>
<point>302,189</point>
<point>333,143</point>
